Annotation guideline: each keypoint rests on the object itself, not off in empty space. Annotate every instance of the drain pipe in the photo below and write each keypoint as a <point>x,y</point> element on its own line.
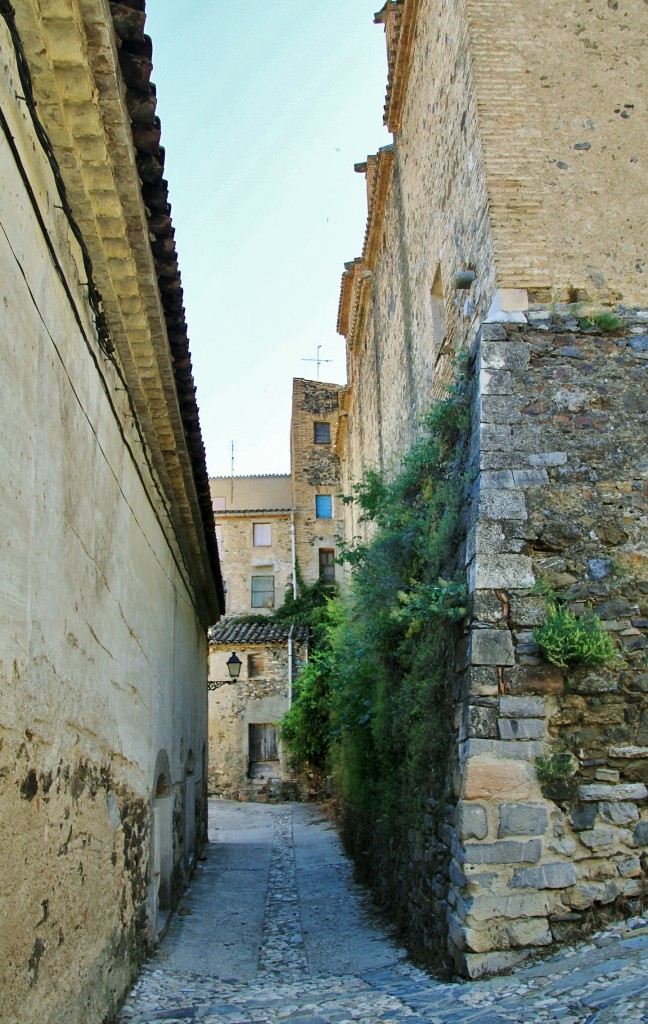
<point>290,664</point>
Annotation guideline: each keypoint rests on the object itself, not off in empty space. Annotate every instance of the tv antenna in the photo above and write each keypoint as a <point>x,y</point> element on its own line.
<point>318,360</point>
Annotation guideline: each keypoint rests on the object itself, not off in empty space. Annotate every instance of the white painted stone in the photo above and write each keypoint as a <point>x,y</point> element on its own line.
<point>508,306</point>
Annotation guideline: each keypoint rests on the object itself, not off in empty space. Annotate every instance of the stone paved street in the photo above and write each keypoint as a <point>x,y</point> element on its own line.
<point>274,931</point>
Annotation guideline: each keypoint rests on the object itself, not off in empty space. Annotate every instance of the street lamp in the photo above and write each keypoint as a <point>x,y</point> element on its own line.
<point>234,666</point>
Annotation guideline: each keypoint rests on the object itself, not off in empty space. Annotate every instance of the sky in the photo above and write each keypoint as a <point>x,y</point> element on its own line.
<point>265,108</point>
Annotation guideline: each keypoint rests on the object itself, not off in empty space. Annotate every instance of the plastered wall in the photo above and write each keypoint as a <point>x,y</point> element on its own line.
<point>103,658</point>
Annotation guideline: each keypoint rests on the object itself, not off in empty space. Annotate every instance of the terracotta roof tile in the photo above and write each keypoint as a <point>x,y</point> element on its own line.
<point>231,632</point>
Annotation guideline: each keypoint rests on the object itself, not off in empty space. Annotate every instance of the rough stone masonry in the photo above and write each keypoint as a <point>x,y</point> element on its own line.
<point>560,496</point>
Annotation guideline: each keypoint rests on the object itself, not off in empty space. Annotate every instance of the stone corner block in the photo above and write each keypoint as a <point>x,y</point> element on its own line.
<point>491,647</point>
<point>502,503</point>
<point>485,778</point>
<point>472,820</point>
<point>547,876</point>
<point>503,851</point>
<point>521,728</point>
<point>522,819</point>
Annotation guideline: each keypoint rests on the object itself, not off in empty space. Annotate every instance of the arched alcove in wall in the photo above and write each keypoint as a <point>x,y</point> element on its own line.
<point>190,810</point>
<point>161,846</point>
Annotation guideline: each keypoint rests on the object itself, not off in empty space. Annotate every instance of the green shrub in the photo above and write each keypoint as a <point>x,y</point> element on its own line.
<point>606,321</point>
<point>374,706</point>
<point>554,768</point>
<point>566,640</point>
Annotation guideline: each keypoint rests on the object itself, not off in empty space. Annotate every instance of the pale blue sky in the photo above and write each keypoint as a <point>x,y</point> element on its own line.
<point>265,107</point>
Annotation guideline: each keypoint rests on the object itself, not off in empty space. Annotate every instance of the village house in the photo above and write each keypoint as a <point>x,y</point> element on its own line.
<point>508,222</point>
<point>110,573</point>
<point>274,533</point>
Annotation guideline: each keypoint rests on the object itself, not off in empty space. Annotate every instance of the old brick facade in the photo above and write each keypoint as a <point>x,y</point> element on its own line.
<point>514,189</point>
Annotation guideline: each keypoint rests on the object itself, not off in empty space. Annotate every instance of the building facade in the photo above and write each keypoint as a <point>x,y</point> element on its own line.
<point>506,215</point>
<point>110,572</point>
<point>254,529</point>
<point>275,533</point>
<point>246,757</point>
<point>315,475</point>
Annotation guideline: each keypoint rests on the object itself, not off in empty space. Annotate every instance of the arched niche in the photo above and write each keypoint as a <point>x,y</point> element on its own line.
<point>190,810</point>
<point>161,846</point>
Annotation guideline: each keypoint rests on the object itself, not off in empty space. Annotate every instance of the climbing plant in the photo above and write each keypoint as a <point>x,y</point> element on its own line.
<point>373,705</point>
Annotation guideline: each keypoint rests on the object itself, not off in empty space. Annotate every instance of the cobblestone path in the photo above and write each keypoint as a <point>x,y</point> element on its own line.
<point>274,931</point>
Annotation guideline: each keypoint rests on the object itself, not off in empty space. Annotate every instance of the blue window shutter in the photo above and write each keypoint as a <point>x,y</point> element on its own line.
<point>324,506</point>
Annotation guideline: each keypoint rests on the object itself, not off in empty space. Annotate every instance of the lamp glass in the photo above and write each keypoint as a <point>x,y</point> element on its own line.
<point>234,666</point>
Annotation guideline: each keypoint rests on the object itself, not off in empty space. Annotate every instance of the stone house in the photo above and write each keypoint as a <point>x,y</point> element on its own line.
<point>254,527</point>
<point>110,573</point>
<point>509,210</point>
<point>246,759</point>
<point>270,529</point>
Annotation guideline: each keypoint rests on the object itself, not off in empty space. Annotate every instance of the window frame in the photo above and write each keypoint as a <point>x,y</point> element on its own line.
<point>268,590</point>
<point>318,499</point>
<point>260,527</point>
<point>321,423</point>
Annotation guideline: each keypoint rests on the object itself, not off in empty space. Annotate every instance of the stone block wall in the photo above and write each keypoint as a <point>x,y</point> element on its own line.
<point>233,707</point>
<point>241,559</point>
<point>315,471</point>
<point>560,495</point>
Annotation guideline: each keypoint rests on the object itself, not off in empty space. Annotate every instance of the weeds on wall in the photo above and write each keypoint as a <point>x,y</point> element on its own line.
<point>604,321</point>
<point>566,640</point>
<point>554,768</point>
<point>373,704</point>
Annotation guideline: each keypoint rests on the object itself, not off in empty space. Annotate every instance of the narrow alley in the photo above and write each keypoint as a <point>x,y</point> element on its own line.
<point>274,929</point>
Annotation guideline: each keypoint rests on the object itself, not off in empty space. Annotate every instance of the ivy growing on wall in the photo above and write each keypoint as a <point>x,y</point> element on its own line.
<point>373,705</point>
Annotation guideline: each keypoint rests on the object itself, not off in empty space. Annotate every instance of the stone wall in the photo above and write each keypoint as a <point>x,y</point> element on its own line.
<point>241,559</point>
<point>560,497</point>
<point>234,706</point>
<point>315,471</point>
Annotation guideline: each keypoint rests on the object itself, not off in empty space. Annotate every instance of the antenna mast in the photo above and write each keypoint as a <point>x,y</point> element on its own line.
<point>318,360</point>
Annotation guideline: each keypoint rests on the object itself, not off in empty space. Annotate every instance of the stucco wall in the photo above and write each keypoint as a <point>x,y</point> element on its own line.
<point>103,659</point>
<point>252,492</point>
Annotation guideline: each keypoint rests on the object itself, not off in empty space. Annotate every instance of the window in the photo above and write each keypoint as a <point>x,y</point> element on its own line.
<point>218,504</point>
<point>322,433</point>
<point>437,309</point>
<point>256,666</point>
<point>327,566</point>
<point>261,535</point>
<point>262,592</point>
<point>219,537</point>
<point>323,506</point>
